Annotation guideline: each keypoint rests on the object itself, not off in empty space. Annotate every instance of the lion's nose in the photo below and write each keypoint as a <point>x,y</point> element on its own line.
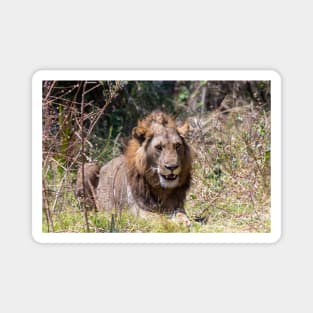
<point>171,167</point>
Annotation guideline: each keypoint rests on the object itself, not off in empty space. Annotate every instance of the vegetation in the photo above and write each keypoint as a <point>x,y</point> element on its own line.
<point>230,136</point>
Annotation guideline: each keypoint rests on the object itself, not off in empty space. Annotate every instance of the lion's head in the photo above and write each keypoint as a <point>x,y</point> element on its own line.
<point>158,153</point>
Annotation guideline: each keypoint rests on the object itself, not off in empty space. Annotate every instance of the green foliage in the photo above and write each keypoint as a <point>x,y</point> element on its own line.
<point>183,94</point>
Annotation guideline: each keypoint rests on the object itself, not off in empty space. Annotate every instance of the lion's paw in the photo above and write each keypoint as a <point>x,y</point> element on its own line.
<point>182,219</point>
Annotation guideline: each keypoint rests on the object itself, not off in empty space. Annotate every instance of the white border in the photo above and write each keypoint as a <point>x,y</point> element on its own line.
<point>271,237</point>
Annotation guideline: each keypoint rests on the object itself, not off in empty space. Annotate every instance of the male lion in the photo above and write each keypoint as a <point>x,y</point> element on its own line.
<point>154,173</point>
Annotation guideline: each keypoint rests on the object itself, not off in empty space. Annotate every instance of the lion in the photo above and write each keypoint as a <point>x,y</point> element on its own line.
<point>154,173</point>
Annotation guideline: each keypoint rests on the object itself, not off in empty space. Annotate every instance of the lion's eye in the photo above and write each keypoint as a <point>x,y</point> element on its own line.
<point>177,145</point>
<point>159,147</point>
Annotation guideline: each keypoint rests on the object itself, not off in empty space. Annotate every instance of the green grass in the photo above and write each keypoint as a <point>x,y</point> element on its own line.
<point>108,223</point>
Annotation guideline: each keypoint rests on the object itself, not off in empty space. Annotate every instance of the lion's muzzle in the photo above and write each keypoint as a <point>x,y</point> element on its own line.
<point>169,176</point>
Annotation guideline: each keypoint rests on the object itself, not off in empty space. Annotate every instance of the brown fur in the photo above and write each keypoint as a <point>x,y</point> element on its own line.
<point>154,173</point>
<point>91,179</point>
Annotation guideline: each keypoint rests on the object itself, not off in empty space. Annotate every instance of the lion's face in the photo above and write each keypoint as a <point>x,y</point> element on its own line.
<point>160,152</point>
<point>165,154</point>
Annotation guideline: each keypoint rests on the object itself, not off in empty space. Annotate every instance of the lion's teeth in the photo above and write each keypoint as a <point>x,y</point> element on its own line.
<point>170,176</point>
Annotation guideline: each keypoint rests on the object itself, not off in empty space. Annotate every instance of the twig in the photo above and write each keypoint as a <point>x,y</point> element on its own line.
<point>46,208</point>
<point>99,114</point>
<point>82,156</point>
<point>58,192</point>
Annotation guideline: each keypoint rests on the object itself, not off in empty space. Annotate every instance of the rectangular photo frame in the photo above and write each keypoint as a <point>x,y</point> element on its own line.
<point>235,194</point>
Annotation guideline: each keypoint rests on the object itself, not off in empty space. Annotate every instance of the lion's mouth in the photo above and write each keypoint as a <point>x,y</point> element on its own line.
<point>169,177</point>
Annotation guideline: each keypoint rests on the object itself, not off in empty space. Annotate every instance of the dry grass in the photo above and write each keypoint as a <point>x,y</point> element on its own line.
<point>231,181</point>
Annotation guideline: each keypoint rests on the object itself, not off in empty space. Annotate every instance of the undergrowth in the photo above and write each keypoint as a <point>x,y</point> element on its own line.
<point>231,179</point>
<point>230,190</point>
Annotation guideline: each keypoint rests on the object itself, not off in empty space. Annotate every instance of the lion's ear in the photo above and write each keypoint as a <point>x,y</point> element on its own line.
<point>139,133</point>
<point>184,129</point>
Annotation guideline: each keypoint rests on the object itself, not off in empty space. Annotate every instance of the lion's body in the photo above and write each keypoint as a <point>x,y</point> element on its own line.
<point>154,173</point>
<point>112,188</point>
